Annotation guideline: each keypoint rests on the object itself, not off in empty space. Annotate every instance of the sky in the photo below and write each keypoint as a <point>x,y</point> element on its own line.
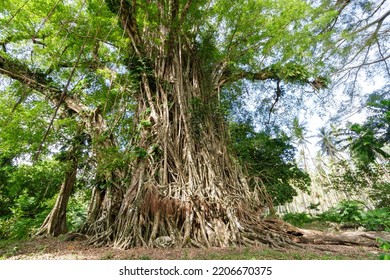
<point>315,122</point>
<point>312,114</point>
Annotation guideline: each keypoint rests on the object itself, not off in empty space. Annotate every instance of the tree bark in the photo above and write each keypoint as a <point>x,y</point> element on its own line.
<point>185,188</point>
<point>55,222</point>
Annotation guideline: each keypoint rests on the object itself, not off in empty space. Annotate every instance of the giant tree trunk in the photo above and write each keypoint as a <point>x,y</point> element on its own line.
<point>185,187</point>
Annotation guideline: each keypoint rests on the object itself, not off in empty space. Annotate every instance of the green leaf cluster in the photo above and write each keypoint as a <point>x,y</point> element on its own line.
<point>271,159</point>
<point>371,138</point>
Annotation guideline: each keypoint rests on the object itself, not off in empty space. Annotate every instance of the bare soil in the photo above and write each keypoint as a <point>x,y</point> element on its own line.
<point>50,248</point>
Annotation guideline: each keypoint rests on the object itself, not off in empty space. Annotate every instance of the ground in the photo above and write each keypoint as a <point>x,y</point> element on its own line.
<point>49,248</point>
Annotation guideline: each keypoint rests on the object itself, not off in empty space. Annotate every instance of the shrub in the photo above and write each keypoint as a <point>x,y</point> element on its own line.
<point>385,246</point>
<point>329,216</point>
<point>28,213</point>
<point>3,229</point>
<point>297,219</point>
<point>350,211</point>
<point>19,227</point>
<point>377,220</point>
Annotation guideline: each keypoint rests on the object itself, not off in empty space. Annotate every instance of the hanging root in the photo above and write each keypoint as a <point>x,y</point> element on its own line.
<point>171,222</point>
<point>154,220</point>
<point>185,189</point>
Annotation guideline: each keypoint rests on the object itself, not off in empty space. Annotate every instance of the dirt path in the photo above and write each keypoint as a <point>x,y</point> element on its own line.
<point>57,248</point>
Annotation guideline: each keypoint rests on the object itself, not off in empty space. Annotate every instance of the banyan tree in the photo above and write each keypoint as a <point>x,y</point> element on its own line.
<point>166,64</point>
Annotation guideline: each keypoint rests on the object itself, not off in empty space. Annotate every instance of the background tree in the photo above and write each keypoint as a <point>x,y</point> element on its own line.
<point>271,159</point>
<point>368,148</point>
<point>328,143</point>
<point>370,140</point>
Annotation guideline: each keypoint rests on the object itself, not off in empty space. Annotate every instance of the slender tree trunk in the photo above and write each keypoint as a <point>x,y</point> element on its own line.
<point>55,222</point>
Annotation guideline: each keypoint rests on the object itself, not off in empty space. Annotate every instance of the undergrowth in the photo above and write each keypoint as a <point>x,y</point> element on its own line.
<point>349,213</point>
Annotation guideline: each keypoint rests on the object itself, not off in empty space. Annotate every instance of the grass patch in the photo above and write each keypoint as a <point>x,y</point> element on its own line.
<point>8,248</point>
<point>107,256</point>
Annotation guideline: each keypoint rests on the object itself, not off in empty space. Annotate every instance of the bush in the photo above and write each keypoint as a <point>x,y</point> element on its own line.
<point>329,216</point>
<point>297,219</point>
<point>3,229</point>
<point>25,187</point>
<point>20,227</point>
<point>350,211</point>
<point>27,216</point>
<point>377,220</point>
<point>385,246</point>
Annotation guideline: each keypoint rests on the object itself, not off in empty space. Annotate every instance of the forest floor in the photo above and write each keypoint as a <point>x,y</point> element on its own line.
<point>50,248</point>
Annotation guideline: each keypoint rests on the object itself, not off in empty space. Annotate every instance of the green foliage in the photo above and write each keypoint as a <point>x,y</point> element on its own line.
<point>140,152</point>
<point>77,209</point>
<point>380,194</point>
<point>330,215</point>
<point>385,246</point>
<point>377,219</point>
<point>346,212</point>
<point>3,228</point>
<point>297,219</point>
<point>29,186</point>
<point>369,178</point>
<point>21,227</point>
<point>27,216</point>
<point>350,211</point>
<point>271,159</point>
<point>369,138</point>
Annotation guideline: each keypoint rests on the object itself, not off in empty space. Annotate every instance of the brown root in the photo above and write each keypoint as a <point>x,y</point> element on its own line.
<point>345,238</point>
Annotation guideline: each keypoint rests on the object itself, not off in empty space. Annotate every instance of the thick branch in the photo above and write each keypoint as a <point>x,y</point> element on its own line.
<point>285,74</point>
<point>19,72</point>
<point>269,73</point>
<point>228,77</point>
<point>39,82</point>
